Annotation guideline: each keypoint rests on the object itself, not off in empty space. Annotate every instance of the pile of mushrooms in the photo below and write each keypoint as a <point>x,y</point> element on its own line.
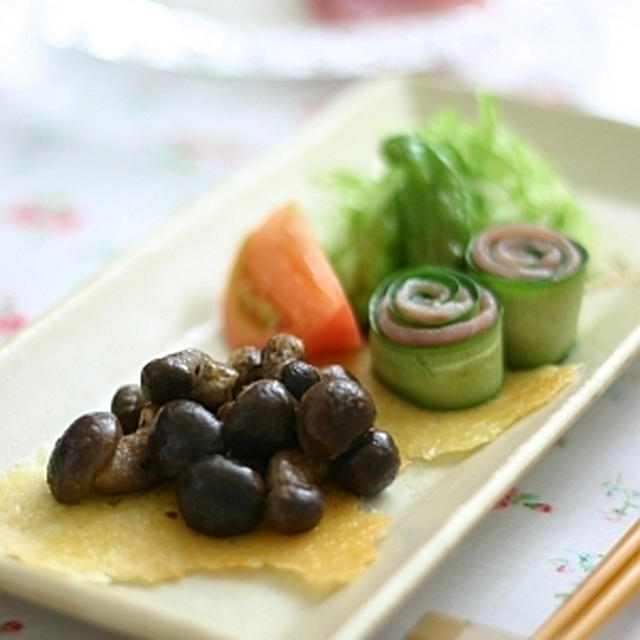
<point>254,438</point>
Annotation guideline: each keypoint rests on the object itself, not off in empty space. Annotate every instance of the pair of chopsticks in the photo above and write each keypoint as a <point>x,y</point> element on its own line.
<point>612,583</point>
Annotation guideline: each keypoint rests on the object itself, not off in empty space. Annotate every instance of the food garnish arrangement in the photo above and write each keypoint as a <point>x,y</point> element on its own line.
<point>436,313</point>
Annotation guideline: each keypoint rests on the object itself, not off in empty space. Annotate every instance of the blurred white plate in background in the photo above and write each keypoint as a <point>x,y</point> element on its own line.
<point>282,39</point>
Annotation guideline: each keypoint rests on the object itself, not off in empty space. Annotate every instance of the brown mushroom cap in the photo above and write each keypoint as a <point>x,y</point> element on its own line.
<point>83,450</point>
<point>278,350</point>
<point>292,508</point>
<point>126,404</point>
<point>332,415</point>
<point>294,502</point>
<point>261,420</point>
<point>170,377</point>
<point>183,432</point>
<point>299,376</point>
<point>369,466</point>
<point>188,374</point>
<point>220,497</point>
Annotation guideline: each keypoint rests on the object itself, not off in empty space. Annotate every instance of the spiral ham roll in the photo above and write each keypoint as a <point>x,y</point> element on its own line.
<point>435,337</point>
<point>429,312</point>
<point>525,252</point>
<point>538,275</point>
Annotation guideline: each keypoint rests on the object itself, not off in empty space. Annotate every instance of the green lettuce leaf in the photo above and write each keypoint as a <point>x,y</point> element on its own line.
<point>440,185</point>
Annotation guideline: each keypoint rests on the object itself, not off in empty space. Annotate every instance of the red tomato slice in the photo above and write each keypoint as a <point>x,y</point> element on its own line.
<point>282,281</point>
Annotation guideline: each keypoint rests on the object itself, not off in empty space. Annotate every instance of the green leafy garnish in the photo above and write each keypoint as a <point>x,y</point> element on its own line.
<point>441,185</point>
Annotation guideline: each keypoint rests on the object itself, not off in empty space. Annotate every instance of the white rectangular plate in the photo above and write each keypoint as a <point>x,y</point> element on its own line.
<point>165,295</point>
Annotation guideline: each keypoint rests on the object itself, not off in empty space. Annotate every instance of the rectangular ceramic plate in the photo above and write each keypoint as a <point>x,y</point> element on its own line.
<point>165,295</point>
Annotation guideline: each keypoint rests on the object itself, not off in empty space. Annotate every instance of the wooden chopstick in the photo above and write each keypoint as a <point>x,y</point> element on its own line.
<point>608,587</point>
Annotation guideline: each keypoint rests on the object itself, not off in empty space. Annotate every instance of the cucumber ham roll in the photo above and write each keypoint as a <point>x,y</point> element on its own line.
<point>538,275</point>
<point>436,338</point>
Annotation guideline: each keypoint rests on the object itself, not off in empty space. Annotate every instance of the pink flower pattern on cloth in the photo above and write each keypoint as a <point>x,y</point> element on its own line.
<point>529,500</point>
<point>36,216</point>
<point>11,626</point>
<point>11,319</point>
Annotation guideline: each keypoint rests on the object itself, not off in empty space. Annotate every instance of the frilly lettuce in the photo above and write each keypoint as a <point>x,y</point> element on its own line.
<point>440,185</point>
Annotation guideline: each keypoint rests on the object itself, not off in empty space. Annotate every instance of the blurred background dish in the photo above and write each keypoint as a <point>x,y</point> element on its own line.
<point>286,39</point>
<point>278,39</point>
<point>582,53</point>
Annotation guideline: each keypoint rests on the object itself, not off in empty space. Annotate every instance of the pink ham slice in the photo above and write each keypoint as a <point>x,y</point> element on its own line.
<point>525,252</point>
<point>441,335</point>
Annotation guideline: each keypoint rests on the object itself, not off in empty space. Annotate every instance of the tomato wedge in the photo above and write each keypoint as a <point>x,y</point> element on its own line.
<point>282,282</point>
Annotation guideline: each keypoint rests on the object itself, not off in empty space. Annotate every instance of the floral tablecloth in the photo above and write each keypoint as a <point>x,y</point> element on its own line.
<point>95,156</point>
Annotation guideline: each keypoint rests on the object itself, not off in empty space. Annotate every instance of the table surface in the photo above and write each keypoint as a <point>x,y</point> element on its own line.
<point>96,155</point>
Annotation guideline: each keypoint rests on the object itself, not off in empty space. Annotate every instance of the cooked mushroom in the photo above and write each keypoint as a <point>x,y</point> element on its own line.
<point>126,404</point>
<point>170,377</point>
<point>369,466</point>
<point>299,376</point>
<point>83,450</point>
<point>220,497</point>
<point>219,429</point>
<point>331,417</point>
<point>278,350</point>
<point>247,362</point>
<point>294,502</point>
<point>131,468</point>
<point>182,433</point>
<point>261,420</point>
<point>189,374</point>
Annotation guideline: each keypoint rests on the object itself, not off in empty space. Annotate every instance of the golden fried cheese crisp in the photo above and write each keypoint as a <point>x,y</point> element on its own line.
<point>142,538</point>
<point>425,434</point>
